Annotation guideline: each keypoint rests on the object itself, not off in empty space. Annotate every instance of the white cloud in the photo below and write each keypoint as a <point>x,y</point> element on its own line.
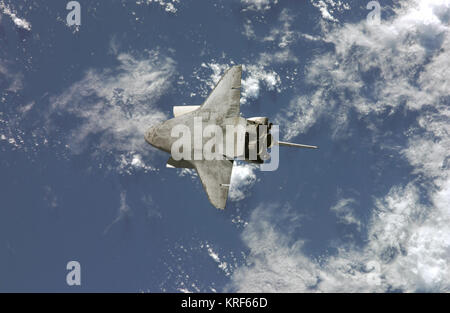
<point>258,5</point>
<point>284,34</point>
<point>324,10</point>
<point>123,212</point>
<point>408,250</point>
<point>12,118</point>
<point>131,162</point>
<point>222,264</point>
<point>13,80</point>
<point>408,238</point>
<point>345,212</point>
<point>19,22</point>
<point>249,32</point>
<point>218,71</point>
<point>50,197</point>
<point>117,106</point>
<point>243,177</point>
<point>253,77</point>
<point>299,116</point>
<point>328,7</point>
<point>377,69</point>
<point>168,5</point>
<point>206,79</point>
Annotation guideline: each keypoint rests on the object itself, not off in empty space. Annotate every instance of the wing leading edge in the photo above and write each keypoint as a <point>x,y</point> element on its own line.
<point>225,97</point>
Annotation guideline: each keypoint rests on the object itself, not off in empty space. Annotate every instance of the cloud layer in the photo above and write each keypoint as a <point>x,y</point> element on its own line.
<point>400,65</point>
<point>19,22</point>
<point>115,106</point>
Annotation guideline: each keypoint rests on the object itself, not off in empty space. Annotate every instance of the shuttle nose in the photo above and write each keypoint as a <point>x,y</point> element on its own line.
<point>150,134</point>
